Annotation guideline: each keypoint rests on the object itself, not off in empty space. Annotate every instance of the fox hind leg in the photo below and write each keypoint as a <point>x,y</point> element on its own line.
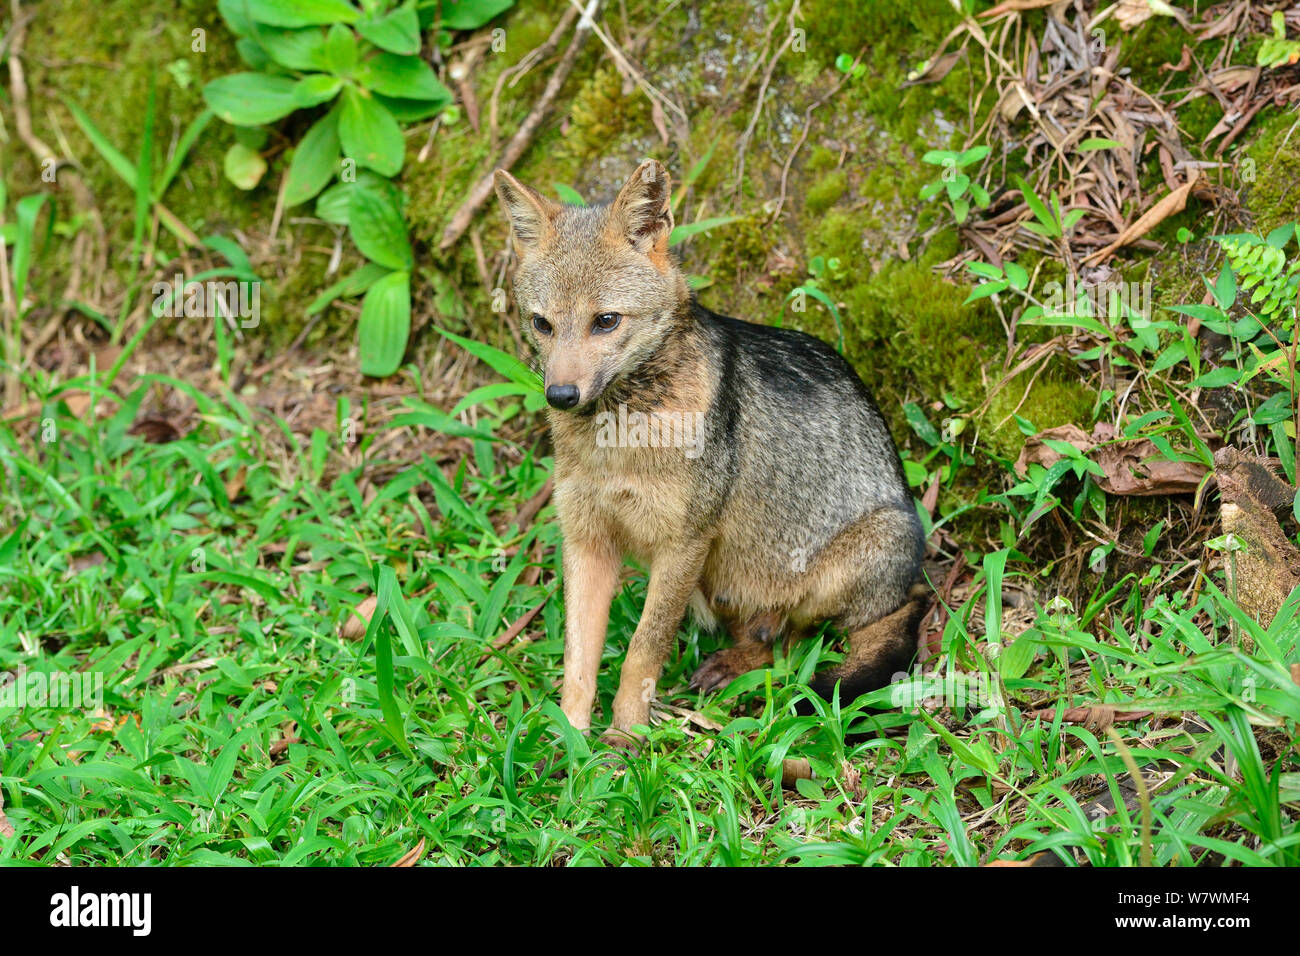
<point>877,652</point>
<point>867,577</point>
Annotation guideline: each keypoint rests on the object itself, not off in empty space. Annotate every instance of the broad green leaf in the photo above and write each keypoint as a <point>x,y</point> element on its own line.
<point>397,32</point>
<point>1279,237</point>
<point>684,232</point>
<point>235,13</point>
<point>294,49</point>
<point>1018,275</point>
<point>920,424</point>
<point>316,89</point>
<point>301,13</point>
<point>569,194</point>
<point>985,270</point>
<point>379,231</point>
<point>315,160</point>
<point>385,324</point>
<point>410,111</point>
<point>986,289</point>
<point>340,50</point>
<point>502,362</point>
<point>335,203</point>
<point>1015,661</point>
<point>252,53</point>
<point>1225,290</point>
<point>251,99</point>
<point>389,595</point>
<point>404,77</point>
<point>1217,378</point>
<point>471,14</point>
<point>350,285</point>
<point>370,135</point>
<point>26,210</point>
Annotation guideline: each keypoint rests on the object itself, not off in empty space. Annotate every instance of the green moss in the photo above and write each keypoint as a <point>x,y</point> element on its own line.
<point>826,192</point>
<point>1270,170</point>
<point>1057,397</point>
<point>840,234</point>
<point>601,113</point>
<point>1151,46</point>
<point>822,160</point>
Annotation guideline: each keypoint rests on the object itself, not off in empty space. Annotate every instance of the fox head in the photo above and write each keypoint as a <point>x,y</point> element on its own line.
<point>596,288</point>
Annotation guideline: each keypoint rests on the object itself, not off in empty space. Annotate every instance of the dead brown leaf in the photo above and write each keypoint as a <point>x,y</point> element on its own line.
<point>1096,718</point>
<point>234,485</point>
<point>1016,6</point>
<point>1170,205</point>
<point>411,857</point>
<point>358,619</point>
<point>794,769</point>
<point>1133,13</point>
<point>156,430</point>
<point>1043,858</point>
<point>1132,466</point>
<point>937,69</point>
<point>77,402</point>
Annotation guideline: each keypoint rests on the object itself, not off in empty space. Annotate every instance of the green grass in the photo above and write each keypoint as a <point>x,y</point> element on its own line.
<point>215,626</point>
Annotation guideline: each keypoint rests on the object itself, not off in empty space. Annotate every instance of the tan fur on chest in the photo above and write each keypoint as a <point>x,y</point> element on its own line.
<point>637,497</point>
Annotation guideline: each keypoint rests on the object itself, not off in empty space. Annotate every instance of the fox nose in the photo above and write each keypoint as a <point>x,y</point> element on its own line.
<point>562,396</point>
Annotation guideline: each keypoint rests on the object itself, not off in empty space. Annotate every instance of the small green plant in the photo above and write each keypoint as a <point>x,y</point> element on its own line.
<point>820,269</point>
<point>1277,50</point>
<point>1261,268</point>
<point>1265,338</point>
<point>844,63</point>
<point>960,188</point>
<point>307,54</point>
<point>1053,222</point>
<point>364,63</point>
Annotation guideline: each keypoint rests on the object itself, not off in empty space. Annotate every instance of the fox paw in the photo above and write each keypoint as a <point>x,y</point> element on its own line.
<point>722,667</point>
<point>628,742</point>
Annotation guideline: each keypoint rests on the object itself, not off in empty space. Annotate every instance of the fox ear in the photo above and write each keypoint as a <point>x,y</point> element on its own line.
<point>643,212</point>
<point>530,212</point>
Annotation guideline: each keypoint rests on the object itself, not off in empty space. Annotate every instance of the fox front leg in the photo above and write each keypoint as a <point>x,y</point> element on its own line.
<point>591,569</point>
<point>674,576</point>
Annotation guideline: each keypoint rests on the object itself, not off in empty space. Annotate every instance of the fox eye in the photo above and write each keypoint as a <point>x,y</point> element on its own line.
<point>541,325</point>
<point>606,322</point>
